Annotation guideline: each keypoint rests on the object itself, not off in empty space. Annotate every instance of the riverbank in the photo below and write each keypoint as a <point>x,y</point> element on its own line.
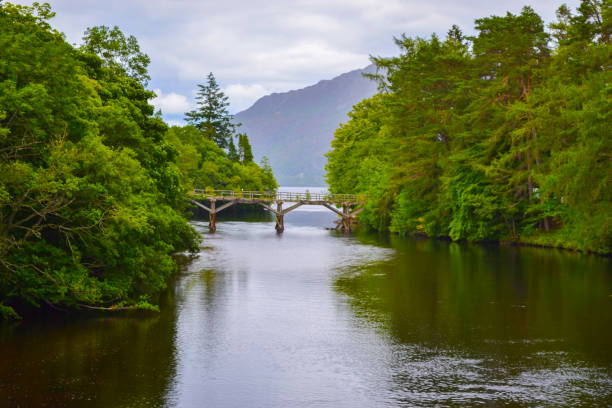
<point>549,241</point>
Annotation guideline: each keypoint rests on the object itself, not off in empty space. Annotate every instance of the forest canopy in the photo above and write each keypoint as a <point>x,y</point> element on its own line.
<point>500,136</point>
<point>93,192</point>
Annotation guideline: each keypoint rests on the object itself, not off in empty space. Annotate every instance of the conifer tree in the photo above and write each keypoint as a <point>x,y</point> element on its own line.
<point>244,148</point>
<point>232,153</point>
<point>211,116</point>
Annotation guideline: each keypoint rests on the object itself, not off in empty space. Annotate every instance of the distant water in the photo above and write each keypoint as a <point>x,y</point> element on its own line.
<point>313,318</point>
<point>308,215</point>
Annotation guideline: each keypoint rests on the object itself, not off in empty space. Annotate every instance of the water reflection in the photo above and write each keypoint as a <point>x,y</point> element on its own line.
<point>476,323</point>
<point>76,362</point>
<point>311,318</point>
<point>259,321</point>
<point>314,318</point>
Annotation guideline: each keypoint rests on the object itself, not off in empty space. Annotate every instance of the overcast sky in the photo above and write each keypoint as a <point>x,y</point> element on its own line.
<point>258,47</point>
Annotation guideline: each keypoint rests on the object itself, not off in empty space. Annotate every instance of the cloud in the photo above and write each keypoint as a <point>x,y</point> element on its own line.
<point>274,45</point>
<point>242,96</point>
<point>171,104</point>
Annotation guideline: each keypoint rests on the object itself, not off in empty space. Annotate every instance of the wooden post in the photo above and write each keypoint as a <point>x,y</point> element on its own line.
<point>212,217</point>
<point>280,223</point>
<point>346,217</point>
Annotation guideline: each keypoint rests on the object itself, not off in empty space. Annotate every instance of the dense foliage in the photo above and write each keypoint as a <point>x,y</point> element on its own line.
<point>93,184</point>
<point>90,200</point>
<point>500,136</point>
<point>205,165</point>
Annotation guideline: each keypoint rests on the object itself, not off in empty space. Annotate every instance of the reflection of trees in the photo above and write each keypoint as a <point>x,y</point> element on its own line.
<point>115,361</point>
<point>478,296</point>
<point>110,361</point>
<point>466,318</point>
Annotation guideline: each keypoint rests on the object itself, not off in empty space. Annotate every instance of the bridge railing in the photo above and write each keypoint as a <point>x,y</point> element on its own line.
<point>281,195</point>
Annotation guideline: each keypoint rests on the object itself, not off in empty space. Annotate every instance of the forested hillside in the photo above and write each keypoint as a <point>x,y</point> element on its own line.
<point>93,186</point>
<point>505,135</point>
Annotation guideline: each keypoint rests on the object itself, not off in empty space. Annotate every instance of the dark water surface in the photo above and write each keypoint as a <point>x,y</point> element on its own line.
<point>311,318</point>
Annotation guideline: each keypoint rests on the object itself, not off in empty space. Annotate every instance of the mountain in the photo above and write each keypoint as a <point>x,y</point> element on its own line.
<point>294,129</point>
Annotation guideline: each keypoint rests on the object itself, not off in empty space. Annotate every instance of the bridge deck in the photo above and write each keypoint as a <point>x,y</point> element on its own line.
<point>349,202</point>
<point>273,196</point>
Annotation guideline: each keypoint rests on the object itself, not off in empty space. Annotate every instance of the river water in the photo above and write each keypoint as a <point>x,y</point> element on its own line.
<point>313,318</point>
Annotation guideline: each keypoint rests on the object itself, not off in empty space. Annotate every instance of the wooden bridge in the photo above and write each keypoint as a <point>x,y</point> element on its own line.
<point>351,204</point>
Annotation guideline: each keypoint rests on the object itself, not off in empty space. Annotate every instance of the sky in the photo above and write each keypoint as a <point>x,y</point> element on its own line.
<point>255,47</point>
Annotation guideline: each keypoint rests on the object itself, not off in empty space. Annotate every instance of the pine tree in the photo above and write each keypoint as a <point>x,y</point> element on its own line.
<point>211,116</point>
<point>232,153</point>
<point>244,148</point>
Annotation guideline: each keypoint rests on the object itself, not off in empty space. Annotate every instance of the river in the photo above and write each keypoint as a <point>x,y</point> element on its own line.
<point>314,318</point>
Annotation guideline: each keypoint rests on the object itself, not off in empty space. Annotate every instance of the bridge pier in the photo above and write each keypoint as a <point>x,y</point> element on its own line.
<point>346,217</point>
<point>212,211</point>
<point>280,217</point>
<point>212,217</point>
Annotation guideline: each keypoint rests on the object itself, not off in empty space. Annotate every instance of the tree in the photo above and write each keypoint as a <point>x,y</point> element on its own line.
<point>211,116</point>
<point>232,153</point>
<point>127,119</point>
<point>492,137</point>
<point>203,164</point>
<point>90,207</point>
<point>268,179</point>
<point>244,148</point>
<point>118,52</point>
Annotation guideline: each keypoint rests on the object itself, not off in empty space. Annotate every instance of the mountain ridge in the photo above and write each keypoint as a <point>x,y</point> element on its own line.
<point>294,129</point>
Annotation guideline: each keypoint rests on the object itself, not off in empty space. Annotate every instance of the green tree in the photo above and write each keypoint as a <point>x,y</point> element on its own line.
<point>203,164</point>
<point>90,206</point>
<point>232,153</point>
<point>268,180</point>
<point>492,137</point>
<point>211,116</point>
<point>244,148</point>
<point>118,52</point>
